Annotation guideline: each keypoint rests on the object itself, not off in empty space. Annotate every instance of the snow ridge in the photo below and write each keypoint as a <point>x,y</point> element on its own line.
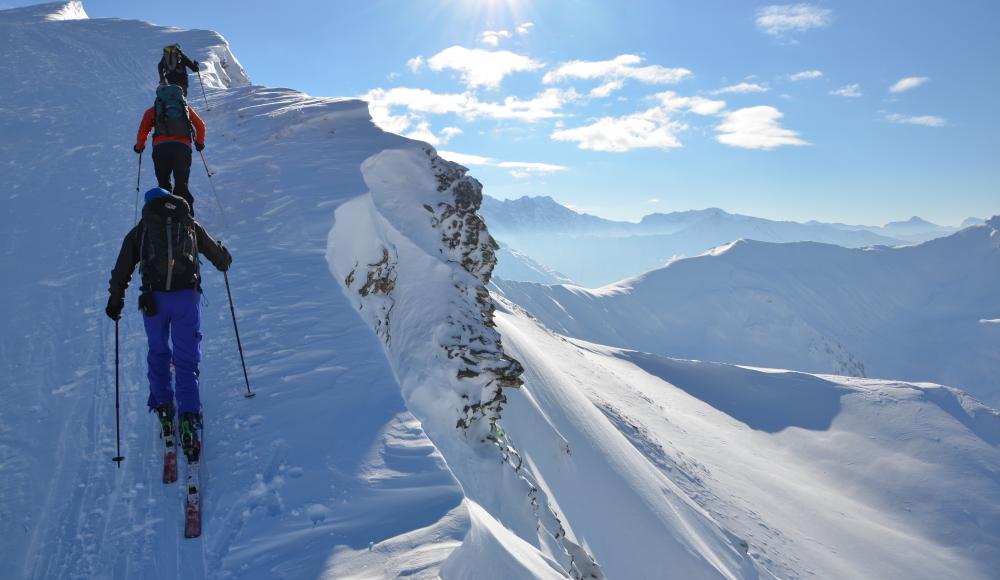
<point>424,294</point>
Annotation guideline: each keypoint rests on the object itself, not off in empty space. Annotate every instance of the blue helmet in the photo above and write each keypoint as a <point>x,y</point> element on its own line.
<point>155,193</point>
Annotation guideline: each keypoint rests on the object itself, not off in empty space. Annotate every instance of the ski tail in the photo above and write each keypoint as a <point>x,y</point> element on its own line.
<point>192,500</point>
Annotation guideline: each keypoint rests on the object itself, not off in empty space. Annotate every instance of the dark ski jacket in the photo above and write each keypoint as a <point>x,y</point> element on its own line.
<point>131,253</point>
<point>178,76</point>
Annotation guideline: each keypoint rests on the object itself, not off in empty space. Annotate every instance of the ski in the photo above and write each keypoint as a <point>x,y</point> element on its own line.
<point>169,455</point>
<point>192,503</point>
<point>168,432</point>
<point>191,435</point>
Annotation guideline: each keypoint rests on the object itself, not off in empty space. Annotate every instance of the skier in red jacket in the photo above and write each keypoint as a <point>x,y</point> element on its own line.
<point>173,123</point>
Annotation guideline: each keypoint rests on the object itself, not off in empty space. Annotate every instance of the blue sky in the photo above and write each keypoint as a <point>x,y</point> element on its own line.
<point>851,111</point>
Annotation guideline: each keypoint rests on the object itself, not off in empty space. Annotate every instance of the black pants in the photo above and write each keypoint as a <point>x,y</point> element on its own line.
<point>174,158</point>
<point>180,80</point>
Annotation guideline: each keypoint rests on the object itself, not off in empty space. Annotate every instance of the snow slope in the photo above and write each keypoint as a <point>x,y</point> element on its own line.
<point>349,463</point>
<point>909,312</point>
<point>395,433</point>
<point>325,473</point>
<point>822,476</point>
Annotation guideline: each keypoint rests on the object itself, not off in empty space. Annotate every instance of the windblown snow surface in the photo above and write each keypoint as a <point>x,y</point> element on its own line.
<point>389,437</point>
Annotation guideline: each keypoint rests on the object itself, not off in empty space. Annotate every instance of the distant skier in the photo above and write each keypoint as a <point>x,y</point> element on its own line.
<point>174,122</point>
<point>166,244</point>
<point>173,67</point>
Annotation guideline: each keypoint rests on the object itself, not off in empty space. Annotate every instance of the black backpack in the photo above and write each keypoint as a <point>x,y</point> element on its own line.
<point>168,246</point>
<point>172,58</point>
<point>171,112</point>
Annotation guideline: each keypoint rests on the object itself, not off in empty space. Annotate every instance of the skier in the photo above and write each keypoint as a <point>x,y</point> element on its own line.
<point>173,120</point>
<point>173,67</point>
<point>166,243</point>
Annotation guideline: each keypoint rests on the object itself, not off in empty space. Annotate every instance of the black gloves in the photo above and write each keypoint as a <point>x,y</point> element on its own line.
<point>114,307</point>
<point>138,149</point>
<point>196,65</point>
<point>199,146</point>
<point>147,303</point>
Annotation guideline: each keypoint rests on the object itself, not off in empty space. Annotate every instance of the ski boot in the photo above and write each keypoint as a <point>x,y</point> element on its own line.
<point>165,413</point>
<point>190,443</point>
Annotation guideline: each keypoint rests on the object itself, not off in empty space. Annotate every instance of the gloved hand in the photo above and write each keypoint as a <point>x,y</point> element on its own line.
<point>114,307</point>
<point>199,146</point>
<point>195,63</point>
<point>147,304</point>
<point>138,149</point>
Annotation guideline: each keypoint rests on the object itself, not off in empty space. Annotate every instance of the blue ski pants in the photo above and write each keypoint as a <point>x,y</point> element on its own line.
<point>177,322</point>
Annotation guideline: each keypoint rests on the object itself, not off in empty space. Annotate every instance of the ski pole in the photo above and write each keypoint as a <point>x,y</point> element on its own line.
<point>118,438</point>
<point>222,212</point>
<point>250,394</point>
<point>207,108</point>
<point>138,176</point>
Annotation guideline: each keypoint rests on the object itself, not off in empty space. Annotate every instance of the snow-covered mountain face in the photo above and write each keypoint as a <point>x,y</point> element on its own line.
<point>823,477</point>
<point>910,312</point>
<point>403,427</point>
<point>592,251</point>
<point>376,446</point>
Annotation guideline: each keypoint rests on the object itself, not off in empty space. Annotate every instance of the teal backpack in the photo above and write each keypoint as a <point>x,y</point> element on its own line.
<point>171,112</point>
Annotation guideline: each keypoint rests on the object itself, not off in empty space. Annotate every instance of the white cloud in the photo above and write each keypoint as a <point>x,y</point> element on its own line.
<point>806,75</point>
<point>381,102</point>
<point>481,68</point>
<point>517,169</point>
<point>449,132</point>
<point>848,91</point>
<point>647,129</point>
<point>465,158</point>
<point>652,200</point>
<point>524,28</point>
<point>620,67</point>
<point>423,132</point>
<point>493,37</point>
<point>522,169</point>
<point>756,128</point>
<point>907,84</point>
<point>742,88</point>
<point>698,105</point>
<point>606,89</point>
<point>778,20</point>
<point>925,120</point>
<point>415,64</point>
<point>544,105</point>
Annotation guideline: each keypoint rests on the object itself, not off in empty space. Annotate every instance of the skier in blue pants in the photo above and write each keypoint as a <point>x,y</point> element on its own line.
<point>166,244</point>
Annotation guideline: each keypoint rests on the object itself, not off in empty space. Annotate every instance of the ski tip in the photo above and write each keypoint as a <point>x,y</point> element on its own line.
<point>249,395</point>
<point>118,460</point>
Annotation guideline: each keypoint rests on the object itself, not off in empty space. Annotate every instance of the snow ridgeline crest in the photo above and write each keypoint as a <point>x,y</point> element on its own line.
<point>474,344</point>
<point>427,278</point>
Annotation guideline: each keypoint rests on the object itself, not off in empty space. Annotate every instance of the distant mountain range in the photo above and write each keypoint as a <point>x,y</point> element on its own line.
<point>917,313</point>
<point>594,251</point>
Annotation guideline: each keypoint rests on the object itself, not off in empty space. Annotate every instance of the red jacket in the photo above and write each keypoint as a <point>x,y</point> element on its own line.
<point>149,119</point>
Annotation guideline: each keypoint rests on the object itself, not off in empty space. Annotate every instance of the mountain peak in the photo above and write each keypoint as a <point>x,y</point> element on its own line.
<point>913,222</point>
<point>70,10</point>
